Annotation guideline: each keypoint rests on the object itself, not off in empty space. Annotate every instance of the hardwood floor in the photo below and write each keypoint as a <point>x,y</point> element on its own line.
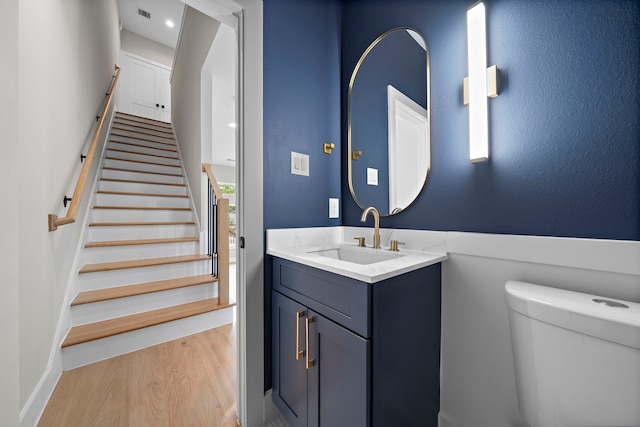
<point>187,382</point>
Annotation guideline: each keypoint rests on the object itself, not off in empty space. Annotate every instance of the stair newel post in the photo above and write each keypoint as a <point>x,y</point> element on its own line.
<point>222,250</point>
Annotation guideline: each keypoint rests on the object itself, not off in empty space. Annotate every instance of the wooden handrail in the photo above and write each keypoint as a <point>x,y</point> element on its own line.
<point>206,168</point>
<point>223,238</point>
<point>54,221</point>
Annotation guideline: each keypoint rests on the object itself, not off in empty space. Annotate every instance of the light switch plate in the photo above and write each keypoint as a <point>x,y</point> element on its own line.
<point>334,208</point>
<point>299,164</point>
<point>372,176</point>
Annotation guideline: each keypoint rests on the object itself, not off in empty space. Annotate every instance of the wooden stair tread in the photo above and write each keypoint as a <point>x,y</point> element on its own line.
<point>93,331</point>
<point>109,243</point>
<point>137,138</point>
<point>119,122</point>
<point>144,119</point>
<point>127,193</point>
<point>116,127</point>
<point>126,121</point>
<point>139,171</point>
<point>143,146</point>
<point>143,162</point>
<point>149,262</point>
<point>117,150</point>
<point>135,181</point>
<point>139,223</point>
<point>142,208</point>
<point>106,294</point>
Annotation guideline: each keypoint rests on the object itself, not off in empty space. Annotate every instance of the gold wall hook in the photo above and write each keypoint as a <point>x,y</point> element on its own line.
<point>328,147</point>
<point>356,154</point>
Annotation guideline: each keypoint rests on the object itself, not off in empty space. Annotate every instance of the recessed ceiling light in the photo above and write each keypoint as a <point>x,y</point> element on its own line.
<point>232,125</point>
<point>170,23</point>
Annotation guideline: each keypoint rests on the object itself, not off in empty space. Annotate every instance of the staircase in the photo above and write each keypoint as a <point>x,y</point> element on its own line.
<point>144,280</point>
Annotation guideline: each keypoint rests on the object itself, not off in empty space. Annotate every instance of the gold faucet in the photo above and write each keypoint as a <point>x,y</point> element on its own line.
<point>376,224</point>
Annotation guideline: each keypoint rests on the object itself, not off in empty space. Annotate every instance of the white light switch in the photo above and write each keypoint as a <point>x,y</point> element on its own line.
<point>299,164</point>
<point>372,176</point>
<point>334,208</point>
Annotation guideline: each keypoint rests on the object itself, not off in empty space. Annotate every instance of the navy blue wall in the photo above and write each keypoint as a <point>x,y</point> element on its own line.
<point>301,110</point>
<point>564,132</point>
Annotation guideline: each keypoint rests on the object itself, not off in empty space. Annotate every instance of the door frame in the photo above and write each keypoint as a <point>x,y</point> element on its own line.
<point>254,407</point>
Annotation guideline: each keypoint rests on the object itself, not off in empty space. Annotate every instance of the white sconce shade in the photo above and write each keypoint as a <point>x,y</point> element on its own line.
<point>477,62</point>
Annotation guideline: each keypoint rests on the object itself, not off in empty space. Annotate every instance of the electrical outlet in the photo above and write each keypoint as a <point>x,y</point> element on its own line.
<point>334,208</point>
<point>299,164</point>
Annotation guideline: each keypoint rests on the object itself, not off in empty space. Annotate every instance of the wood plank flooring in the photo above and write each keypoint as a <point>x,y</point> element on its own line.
<point>188,382</point>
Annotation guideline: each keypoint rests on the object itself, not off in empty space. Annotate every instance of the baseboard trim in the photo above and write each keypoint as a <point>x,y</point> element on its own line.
<point>33,409</point>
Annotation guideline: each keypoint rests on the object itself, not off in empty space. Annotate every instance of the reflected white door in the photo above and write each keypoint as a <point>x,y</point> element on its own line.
<point>146,90</point>
<point>409,158</point>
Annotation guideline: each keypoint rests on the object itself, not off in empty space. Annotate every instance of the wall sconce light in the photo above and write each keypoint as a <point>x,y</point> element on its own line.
<point>480,84</point>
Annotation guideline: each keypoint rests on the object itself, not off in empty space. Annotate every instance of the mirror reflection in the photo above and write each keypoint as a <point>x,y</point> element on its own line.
<point>388,122</point>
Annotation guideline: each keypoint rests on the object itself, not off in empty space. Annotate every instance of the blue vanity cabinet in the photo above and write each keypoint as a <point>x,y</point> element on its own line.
<point>374,349</point>
<point>289,370</point>
<point>320,379</point>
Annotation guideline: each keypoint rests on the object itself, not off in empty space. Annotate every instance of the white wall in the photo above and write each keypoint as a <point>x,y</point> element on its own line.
<point>9,273</point>
<point>198,31</point>
<point>67,51</point>
<point>225,174</point>
<point>146,48</point>
<point>478,377</point>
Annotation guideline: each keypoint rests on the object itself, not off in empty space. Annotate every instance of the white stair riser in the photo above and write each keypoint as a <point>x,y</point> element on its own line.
<point>137,166</point>
<point>103,199</point>
<point>142,157</point>
<point>134,232</point>
<point>146,129</point>
<point>142,136</point>
<point>104,310</point>
<point>94,351</point>
<point>121,215</point>
<point>131,276</point>
<point>144,148</point>
<point>148,143</point>
<point>138,187</point>
<point>141,176</point>
<point>131,252</point>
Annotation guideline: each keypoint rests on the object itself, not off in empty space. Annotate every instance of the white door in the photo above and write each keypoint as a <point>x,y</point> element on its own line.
<point>146,90</point>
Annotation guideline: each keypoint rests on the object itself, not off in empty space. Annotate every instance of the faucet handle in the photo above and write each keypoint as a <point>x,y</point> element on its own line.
<point>393,245</point>
<point>360,241</point>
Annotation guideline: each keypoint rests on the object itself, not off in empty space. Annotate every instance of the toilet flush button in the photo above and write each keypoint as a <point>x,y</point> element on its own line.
<point>609,303</point>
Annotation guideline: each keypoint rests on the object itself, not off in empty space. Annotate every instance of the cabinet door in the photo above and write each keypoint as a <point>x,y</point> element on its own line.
<point>339,376</point>
<point>289,370</point>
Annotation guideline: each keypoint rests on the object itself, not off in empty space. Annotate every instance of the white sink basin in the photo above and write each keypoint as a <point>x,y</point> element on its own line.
<point>356,255</point>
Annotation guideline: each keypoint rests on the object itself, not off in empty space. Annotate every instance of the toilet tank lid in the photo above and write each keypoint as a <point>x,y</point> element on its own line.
<point>577,311</point>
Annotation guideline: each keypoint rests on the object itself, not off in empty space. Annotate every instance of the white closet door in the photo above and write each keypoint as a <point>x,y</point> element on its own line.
<point>146,90</point>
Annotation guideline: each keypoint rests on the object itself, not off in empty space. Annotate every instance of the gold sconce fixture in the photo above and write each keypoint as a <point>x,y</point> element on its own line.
<point>328,147</point>
<point>355,155</point>
<point>480,84</point>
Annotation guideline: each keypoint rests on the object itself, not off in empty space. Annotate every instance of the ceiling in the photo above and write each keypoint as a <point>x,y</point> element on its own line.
<point>154,28</point>
<point>220,63</point>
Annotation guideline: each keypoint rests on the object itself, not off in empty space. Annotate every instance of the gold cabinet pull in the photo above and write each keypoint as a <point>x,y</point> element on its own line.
<point>310,362</point>
<point>299,353</point>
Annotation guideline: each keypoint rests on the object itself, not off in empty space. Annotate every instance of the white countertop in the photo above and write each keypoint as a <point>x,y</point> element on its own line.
<point>421,249</point>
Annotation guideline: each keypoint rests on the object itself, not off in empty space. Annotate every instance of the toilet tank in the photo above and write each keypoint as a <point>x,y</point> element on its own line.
<point>576,357</point>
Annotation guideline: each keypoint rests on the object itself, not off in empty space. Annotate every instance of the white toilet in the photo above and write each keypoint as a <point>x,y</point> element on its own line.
<point>577,357</point>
